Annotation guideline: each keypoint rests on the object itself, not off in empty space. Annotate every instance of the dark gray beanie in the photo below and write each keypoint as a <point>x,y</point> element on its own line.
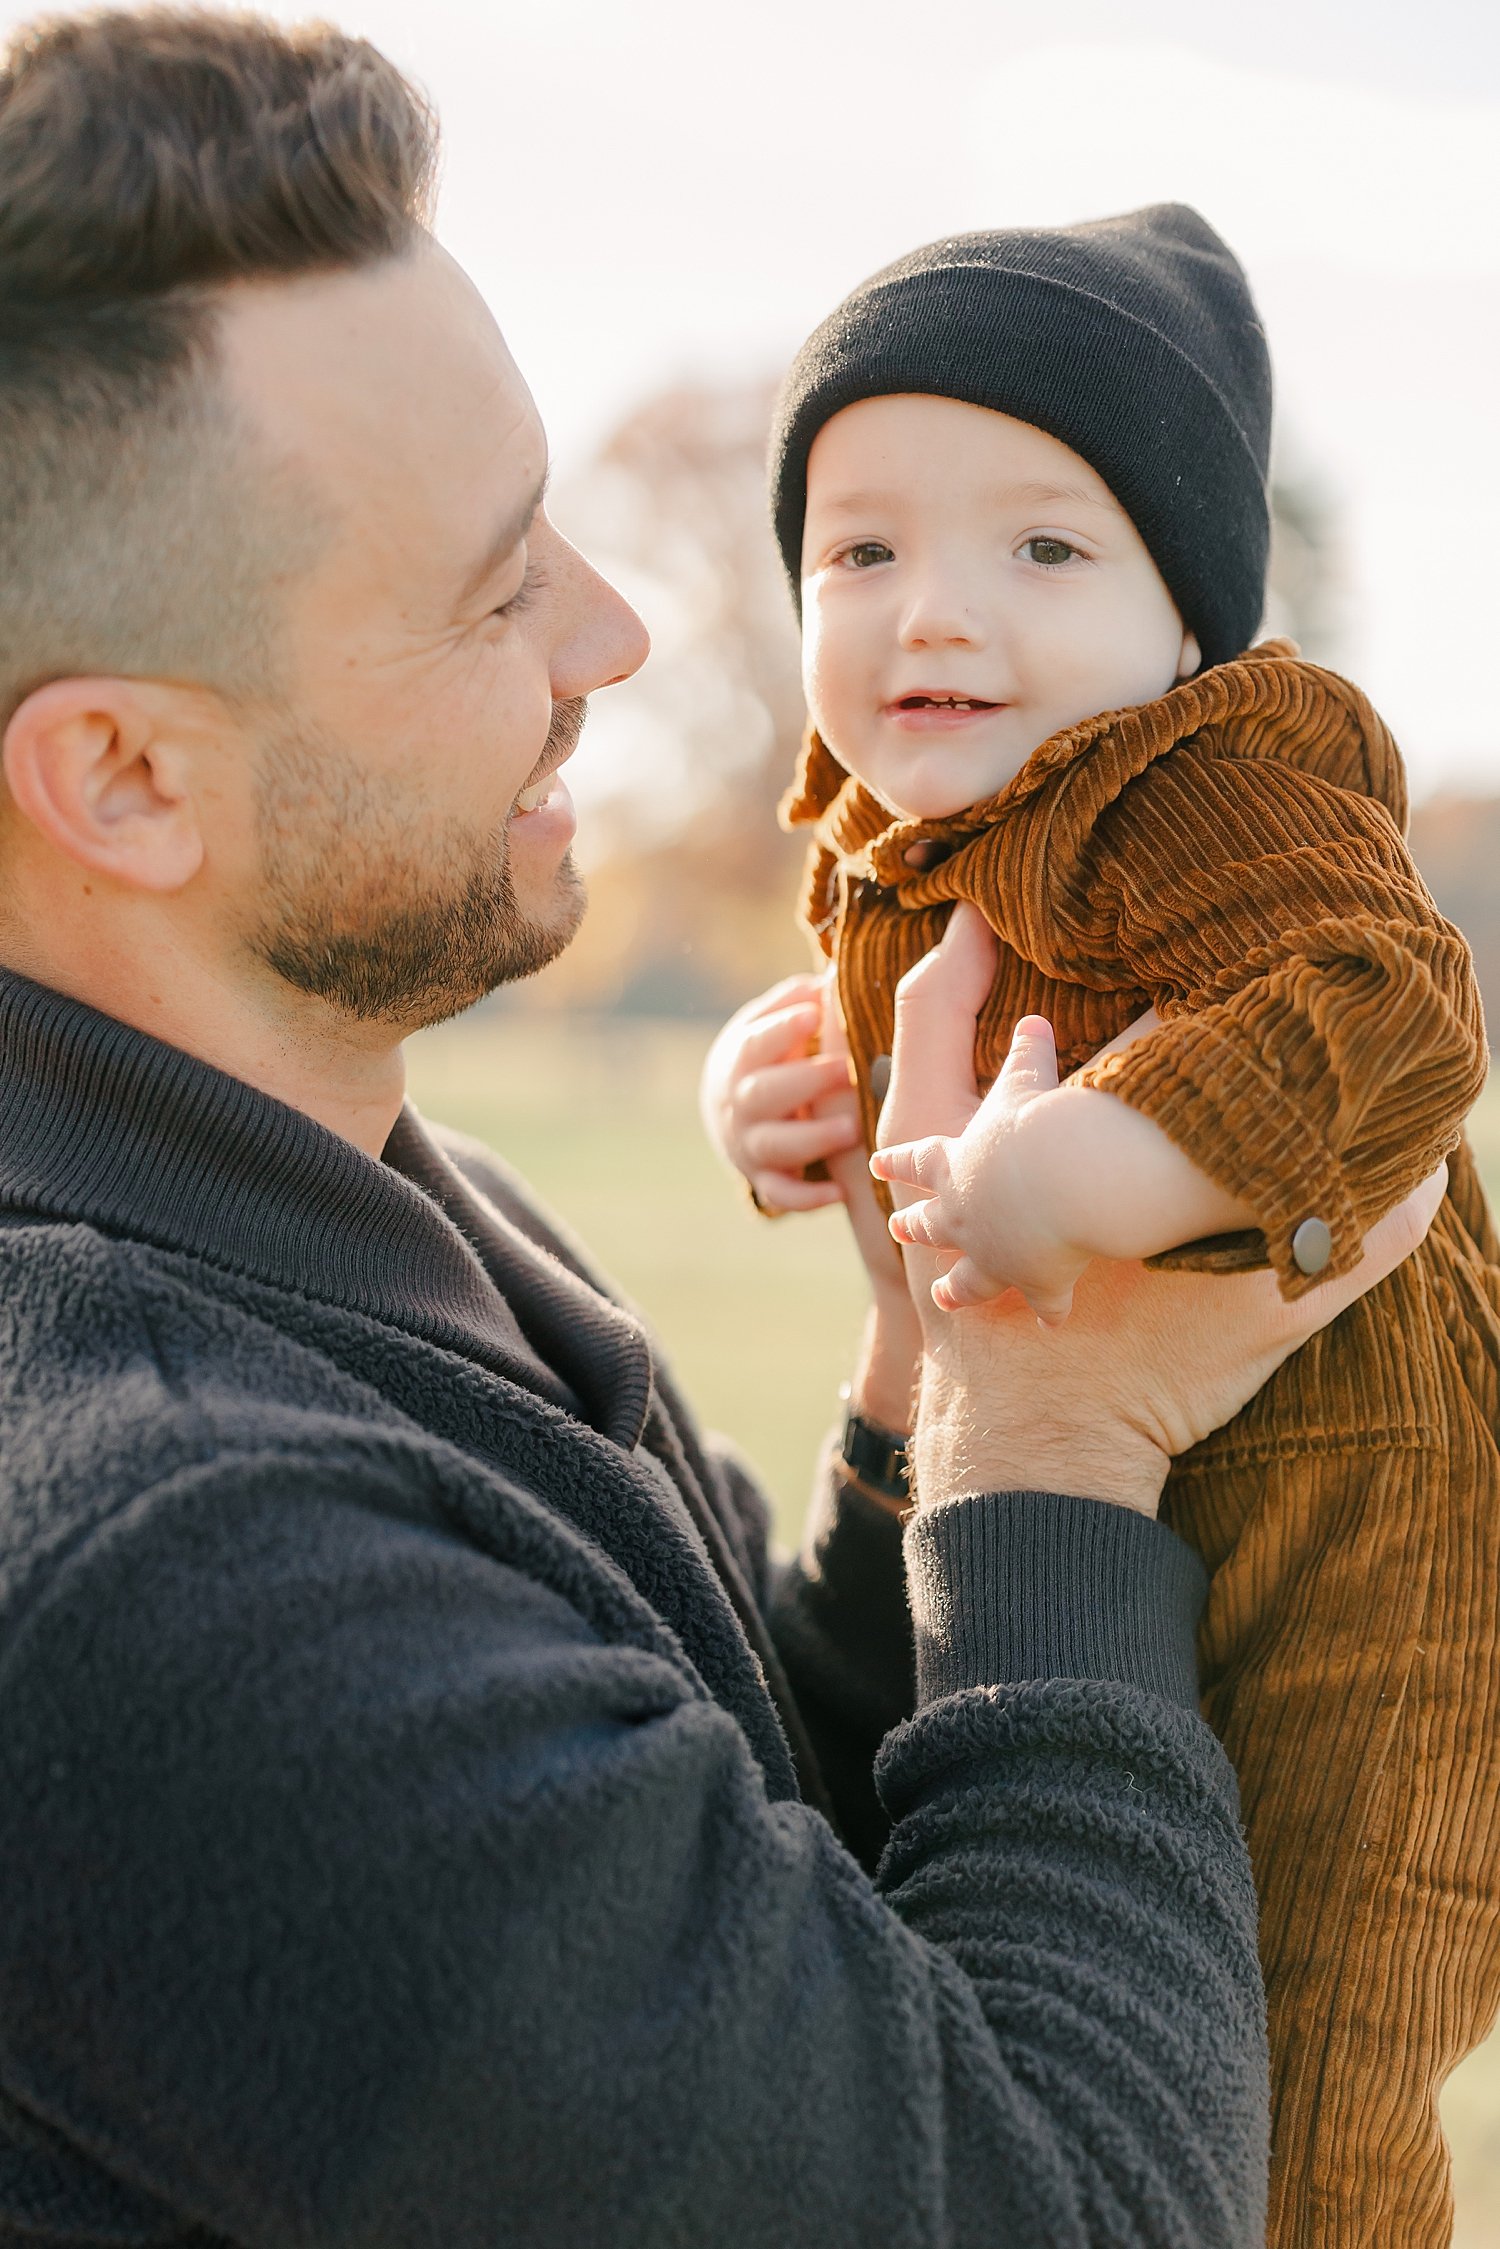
<point>1134,340</point>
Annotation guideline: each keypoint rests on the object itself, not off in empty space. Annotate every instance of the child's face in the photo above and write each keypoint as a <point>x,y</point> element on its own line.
<point>969,587</point>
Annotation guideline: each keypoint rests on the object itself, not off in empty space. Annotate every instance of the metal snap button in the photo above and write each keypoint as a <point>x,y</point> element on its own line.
<point>1312,1246</point>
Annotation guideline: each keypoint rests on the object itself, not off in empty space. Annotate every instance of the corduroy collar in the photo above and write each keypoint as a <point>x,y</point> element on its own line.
<point>101,1124</point>
<point>1270,686</point>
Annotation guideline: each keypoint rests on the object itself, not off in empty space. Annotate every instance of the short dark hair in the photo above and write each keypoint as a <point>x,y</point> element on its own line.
<point>148,159</point>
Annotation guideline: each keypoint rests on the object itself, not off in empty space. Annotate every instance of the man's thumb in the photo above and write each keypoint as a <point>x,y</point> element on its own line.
<point>932,1060</point>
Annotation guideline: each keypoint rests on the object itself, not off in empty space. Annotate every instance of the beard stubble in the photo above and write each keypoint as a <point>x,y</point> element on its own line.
<point>384,919</point>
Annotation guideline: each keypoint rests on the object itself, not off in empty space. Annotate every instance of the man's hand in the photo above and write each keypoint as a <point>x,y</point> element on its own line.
<point>1149,1363</point>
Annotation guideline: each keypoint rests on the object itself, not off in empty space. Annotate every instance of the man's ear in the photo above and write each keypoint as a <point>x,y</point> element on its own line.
<point>1190,662</point>
<point>101,773</point>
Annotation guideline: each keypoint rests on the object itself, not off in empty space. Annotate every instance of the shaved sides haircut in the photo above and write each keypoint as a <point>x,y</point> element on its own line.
<point>148,159</point>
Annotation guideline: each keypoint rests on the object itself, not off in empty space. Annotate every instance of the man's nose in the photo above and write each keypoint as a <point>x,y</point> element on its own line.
<point>605,640</point>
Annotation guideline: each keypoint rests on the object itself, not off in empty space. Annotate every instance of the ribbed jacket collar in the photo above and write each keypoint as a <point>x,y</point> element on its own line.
<point>102,1124</point>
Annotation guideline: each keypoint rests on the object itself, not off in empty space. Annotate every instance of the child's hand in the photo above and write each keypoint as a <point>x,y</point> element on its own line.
<point>772,1103</point>
<point>985,1196</point>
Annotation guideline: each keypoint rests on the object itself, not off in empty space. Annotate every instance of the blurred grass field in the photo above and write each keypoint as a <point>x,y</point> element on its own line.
<point>758,1318</point>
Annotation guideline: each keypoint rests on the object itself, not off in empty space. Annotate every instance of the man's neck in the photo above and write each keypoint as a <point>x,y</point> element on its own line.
<point>348,1077</point>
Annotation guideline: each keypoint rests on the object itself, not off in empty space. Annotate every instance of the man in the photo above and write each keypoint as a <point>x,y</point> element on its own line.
<point>421,1806</point>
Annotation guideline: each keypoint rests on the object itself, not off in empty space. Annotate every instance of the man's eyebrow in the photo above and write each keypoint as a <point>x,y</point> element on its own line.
<point>507,538</point>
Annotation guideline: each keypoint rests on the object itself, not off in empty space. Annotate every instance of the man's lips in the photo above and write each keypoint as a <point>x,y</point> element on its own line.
<point>536,792</point>
<point>561,742</point>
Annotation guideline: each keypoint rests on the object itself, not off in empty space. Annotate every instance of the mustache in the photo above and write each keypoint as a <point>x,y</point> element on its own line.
<point>568,720</point>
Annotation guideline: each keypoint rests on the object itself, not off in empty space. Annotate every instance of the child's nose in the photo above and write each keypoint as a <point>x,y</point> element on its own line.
<point>940,615</point>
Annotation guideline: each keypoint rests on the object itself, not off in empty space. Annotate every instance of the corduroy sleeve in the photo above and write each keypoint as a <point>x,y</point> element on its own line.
<point>362,1889</point>
<point>1324,1036</point>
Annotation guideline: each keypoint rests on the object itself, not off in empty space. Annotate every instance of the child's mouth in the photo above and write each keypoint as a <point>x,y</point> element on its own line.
<point>923,711</point>
<point>944,703</point>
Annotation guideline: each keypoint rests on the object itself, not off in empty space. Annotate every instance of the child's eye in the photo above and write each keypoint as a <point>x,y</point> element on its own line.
<point>1049,553</point>
<point>866,553</point>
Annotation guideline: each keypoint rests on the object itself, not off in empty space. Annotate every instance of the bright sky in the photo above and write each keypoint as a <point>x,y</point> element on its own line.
<point>672,187</point>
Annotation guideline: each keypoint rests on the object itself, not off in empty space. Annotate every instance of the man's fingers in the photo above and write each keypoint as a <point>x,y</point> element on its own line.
<point>1031,1064</point>
<point>1386,1246</point>
<point>932,1059</point>
<point>788,1143</point>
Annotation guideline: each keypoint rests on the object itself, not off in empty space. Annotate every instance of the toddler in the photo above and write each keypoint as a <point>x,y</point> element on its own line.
<point>1020,481</point>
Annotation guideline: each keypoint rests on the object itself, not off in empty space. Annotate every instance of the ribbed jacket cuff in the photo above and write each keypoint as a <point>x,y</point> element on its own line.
<point>1209,1084</point>
<point>1009,1586</point>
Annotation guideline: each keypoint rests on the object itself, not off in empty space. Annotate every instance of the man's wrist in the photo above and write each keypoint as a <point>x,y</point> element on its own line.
<point>965,1442</point>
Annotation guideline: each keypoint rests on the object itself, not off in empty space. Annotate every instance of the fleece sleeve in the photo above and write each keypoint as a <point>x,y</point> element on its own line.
<point>1324,1036</point>
<point>364,1891</point>
<point>842,1625</point>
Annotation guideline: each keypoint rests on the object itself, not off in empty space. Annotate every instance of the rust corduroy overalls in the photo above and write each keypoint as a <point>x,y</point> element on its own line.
<point>1232,855</point>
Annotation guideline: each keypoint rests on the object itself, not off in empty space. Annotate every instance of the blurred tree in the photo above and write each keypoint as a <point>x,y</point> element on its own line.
<point>1456,843</point>
<point>692,883</point>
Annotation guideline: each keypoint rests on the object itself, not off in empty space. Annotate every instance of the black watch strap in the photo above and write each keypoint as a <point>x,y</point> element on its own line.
<point>876,1456</point>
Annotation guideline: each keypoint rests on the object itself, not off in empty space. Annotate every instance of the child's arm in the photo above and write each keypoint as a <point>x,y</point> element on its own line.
<point>1328,1040</point>
<point>1322,1037</point>
<point>1043,1179</point>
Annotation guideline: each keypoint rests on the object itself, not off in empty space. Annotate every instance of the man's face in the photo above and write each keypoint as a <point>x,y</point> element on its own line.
<point>969,587</point>
<point>402,844</point>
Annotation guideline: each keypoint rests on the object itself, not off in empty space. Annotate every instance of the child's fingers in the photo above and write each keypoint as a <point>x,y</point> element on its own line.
<point>792,991</point>
<point>914,1163</point>
<point>777,1192</point>
<point>1031,1064</point>
<point>772,1038</point>
<point>779,1089</point>
<point>963,1286</point>
<point>921,1225</point>
<point>788,1143</point>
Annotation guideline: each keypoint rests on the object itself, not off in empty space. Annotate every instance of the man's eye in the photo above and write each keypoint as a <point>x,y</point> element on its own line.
<point>867,554</point>
<point>523,596</point>
<point>1050,553</point>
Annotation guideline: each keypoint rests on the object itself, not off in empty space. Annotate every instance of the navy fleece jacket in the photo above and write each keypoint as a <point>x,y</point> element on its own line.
<point>417,1802</point>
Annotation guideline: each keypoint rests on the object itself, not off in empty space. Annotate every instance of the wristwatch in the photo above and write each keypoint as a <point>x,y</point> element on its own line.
<point>876,1456</point>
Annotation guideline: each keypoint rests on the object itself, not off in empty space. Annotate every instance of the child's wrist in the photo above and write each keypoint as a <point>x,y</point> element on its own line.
<point>1056,1148</point>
